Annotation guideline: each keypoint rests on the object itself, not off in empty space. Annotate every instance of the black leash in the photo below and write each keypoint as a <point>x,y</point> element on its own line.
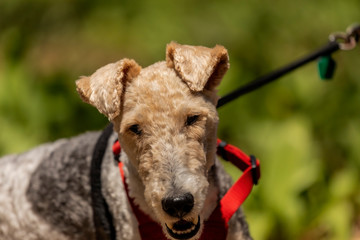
<point>344,41</point>
<point>263,80</point>
<point>103,221</point>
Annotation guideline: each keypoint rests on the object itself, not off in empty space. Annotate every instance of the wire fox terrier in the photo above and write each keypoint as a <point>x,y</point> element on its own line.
<point>166,121</point>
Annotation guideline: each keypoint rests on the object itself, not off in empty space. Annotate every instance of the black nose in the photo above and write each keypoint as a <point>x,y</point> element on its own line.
<point>178,205</point>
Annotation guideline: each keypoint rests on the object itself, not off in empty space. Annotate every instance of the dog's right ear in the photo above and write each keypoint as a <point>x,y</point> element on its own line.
<point>104,88</point>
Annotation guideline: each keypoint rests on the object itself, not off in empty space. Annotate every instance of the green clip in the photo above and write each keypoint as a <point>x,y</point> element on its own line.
<point>326,66</point>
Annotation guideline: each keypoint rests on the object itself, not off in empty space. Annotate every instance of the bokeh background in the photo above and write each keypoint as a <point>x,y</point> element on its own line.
<point>305,131</point>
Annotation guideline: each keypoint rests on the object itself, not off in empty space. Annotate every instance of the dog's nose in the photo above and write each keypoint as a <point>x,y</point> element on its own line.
<point>178,205</point>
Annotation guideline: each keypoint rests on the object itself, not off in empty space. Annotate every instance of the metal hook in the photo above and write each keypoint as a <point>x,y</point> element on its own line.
<point>354,30</point>
<point>348,40</point>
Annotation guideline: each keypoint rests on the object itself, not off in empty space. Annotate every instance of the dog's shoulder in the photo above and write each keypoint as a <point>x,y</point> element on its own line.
<point>60,185</point>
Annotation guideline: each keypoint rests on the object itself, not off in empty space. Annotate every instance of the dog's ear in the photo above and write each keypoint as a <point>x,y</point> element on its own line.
<point>200,67</point>
<point>104,88</point>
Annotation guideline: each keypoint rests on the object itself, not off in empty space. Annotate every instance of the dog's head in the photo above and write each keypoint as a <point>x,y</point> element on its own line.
<point>166,119</point>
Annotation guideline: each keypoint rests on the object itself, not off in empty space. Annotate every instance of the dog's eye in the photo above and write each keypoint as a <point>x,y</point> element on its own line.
<point>135,129</point>
<point>191,120</point>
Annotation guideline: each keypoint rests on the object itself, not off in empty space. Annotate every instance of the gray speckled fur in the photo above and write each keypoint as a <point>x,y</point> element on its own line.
<point>61,183</point>
<point>45,193</point>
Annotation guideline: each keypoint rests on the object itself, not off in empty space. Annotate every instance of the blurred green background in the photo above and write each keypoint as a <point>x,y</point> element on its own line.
<point>305,131</point>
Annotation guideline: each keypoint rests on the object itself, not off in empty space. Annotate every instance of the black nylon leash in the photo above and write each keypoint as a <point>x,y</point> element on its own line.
<point>102,218</point>
<point>263,80</point>
<point>344,41</point>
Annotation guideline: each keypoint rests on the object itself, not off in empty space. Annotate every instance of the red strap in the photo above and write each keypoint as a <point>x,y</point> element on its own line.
<point>216,226</point>
<point>116,148</point>
<point>241,189</point>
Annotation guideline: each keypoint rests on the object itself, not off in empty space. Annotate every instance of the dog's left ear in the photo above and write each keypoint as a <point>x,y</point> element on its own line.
<point>200,67</point>
<point>105,87</point>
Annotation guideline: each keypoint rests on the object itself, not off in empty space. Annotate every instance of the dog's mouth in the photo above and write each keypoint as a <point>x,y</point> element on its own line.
<point>183,229</point>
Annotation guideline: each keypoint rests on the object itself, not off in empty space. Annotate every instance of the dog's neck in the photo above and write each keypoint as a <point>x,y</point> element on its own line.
<point>136,190</point>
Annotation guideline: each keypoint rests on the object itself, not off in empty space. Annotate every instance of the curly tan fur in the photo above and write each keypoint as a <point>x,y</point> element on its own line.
<point>168,157</point>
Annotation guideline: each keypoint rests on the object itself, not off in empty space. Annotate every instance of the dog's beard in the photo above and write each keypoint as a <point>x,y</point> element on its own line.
<point>183,182</point>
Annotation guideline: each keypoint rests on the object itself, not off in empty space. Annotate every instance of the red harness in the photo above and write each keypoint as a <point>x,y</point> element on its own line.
<point>215,228</point>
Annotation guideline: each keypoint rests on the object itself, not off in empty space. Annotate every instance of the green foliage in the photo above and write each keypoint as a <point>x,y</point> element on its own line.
<point>306,132</point>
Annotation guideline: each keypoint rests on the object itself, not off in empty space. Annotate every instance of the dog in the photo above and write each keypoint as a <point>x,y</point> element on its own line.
<point>166,121</point>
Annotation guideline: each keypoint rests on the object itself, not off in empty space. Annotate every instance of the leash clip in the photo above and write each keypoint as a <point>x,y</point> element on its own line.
<point>254,170</point>
<point>221,150</point>
<point>239,159</point>
<point>348,40</point>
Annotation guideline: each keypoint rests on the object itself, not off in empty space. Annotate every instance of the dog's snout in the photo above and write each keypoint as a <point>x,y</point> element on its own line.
<point>178,205</point>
